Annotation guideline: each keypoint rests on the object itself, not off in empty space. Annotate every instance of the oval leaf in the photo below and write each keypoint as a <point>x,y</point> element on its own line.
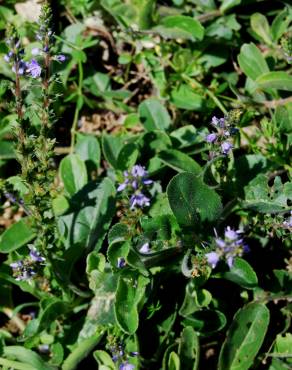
<point>73,173</point>
<point>154,115</point>
<point>130,291</point>
<point>180,26</point>
<point>245,337</point>
<point>18,235</point>
<point>275,80</point>
<point>179,161</point>
<point>252,62</point>
<point>242,274</point>
<point>260,26</point>
<point>187,196</point>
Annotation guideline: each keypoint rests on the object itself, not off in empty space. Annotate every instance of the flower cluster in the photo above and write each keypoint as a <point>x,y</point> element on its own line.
<point>15,54</point>
<point>228,248</point>
<point>221,138</point>
<point>121,357</point>
<point>134,182</point>
<point>24,270</point>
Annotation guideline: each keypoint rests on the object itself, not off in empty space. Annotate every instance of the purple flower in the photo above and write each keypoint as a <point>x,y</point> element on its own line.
<point>121,262</point>
<point>122,186</point>
<point>139,200</point>
<point>212,258</point>
<point>60,58</point>
<point>147,181</point>
<point>35,51</point>
<point>126,366</point>
<point>145,248</point>
<point>211,138</point>
<point>230,261</point>
<point>35,255</point>
<point>34,68</point>
<point>16,265</point>
<point>231,234</point>
<point>6,58</point>
<point>218,122</point>
<point>226,146</point>
<point>139,171</point>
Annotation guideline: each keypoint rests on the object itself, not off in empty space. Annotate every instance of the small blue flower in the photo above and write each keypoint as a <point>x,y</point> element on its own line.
<point>34,68</point>
<point>121,262</point>
<point>212,258</point>
<point>35,255</point>
<point>226,146</point>
<point>140,200</point>
<point>145,248</point>
<point>228,248</point>
<point>35,51</point>
<point>139,171</point>
<point>126,366</point>
<point>60,58</point>
<point>211,138</point>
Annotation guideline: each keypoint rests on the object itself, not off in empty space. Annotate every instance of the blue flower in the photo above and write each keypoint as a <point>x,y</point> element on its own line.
<point>121,262</point>
<point>34,68</point>
<point>211,138</point>
<point>35,51</point>
<point>140,200</point>
<point>228,248</point>
<point>60,58</point>
<point>144,248</point>
<point>126,366</point>
<point>212,258</point>
<point>226,146</point>
<point>35,255</point>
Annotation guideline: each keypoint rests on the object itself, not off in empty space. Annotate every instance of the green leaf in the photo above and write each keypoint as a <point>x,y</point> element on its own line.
<point>127,156</point>
<point>184,97</point>
<point>104,360</point>
<point>228,4</point>
<point>283,117</point>
<point>206,321</point>
<point>195,299</point>
<point>242,274</point>
<point>154,115</point>
<point>19,185</point>
<point>88,149</point>
<point>245,337</point>
<point>179,161</point>
<point>188,349</point>
<point>276,80</point>
<point>252,62</point>
<point>27,357</point>
<point>130,291</point>
<point>280,24</point>
<point>260,197</point>
<point>73,173</point>
<point>112,146</point>
<point>18,235</point>
<point>116,251</point>
<point>180,26</point>
<point>260,26</point>
<point>101,311</point>
<point>7,150</point>
<point>60,205</point>
<point>187,196</point>
<point>173,361</point>
<point>87,226</point>
<point>82,351</point>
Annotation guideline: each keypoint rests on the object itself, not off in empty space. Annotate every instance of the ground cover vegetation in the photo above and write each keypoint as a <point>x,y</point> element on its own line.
<point>145,185</point>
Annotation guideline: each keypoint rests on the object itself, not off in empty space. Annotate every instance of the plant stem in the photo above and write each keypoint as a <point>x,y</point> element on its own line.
<point>78,106</point>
